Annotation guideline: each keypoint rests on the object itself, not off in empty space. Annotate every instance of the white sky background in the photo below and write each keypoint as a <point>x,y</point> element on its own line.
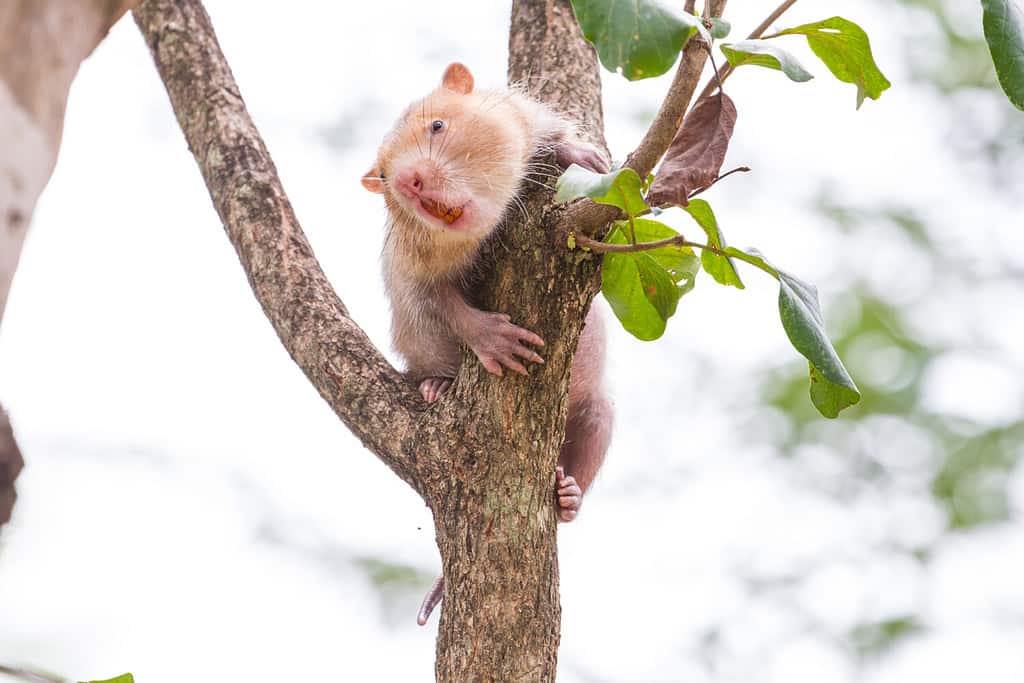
<point>191,509</point>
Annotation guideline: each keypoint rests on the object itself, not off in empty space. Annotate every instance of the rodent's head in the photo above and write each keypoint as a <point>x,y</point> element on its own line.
<point>454,159</point>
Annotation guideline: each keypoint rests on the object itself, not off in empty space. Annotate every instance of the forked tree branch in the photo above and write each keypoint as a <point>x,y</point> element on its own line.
<point>366,392</point>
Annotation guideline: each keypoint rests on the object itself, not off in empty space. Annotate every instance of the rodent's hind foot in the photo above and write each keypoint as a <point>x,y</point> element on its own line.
<point>582,154</point>
<point>570,495</point>
<point>433,388</point>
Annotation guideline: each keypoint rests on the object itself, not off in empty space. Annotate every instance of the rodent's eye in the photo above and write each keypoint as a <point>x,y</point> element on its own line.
<point>437,126</point>
<point>382,176</point>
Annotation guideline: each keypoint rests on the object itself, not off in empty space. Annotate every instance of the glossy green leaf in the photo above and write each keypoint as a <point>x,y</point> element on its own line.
<point>619,188</point>
<point>845,49</point>
<point>830,397</point>
<point>680,262</point>
<point>754,258</point>
<point>637,38</point>
<point>832,388</point>
<point>1004,31</point>
<point>637,302</point>
<point>764,53</point>
<point>644,288</point>
<point>717,266</point>
<point>124,678</point>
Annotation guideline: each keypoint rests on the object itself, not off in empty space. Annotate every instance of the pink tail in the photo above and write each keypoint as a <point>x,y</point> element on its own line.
<point>431,600</point>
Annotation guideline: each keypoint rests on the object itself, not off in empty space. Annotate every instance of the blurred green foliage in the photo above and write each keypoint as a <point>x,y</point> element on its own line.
<point>895,434</point>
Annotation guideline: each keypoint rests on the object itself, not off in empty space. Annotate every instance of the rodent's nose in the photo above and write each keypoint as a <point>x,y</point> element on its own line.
<point>409,182</point>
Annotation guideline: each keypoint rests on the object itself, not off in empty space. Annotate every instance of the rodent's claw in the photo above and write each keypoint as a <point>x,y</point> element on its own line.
<point>499,343</point>
<point>514,365</point>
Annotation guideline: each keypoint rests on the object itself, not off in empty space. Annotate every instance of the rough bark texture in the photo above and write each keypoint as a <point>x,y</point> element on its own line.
<point>42,43</point>
<point>497,529</point>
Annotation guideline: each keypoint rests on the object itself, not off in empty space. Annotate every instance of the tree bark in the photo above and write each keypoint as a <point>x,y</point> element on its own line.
<point>484,457</point>
<point>42,43</point>
<point>496,531</point>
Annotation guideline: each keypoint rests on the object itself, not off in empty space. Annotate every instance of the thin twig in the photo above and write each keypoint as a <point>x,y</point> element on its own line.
<point>726,69</point>
<point>598,247</point>
<point>738,169</point>
<point>670,115</point>
<point>770,19</point>
<point>30,675</point>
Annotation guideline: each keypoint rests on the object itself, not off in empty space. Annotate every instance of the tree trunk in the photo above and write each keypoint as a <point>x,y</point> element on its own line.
<point>495,519</point>
<point>484,457</point>
<point>42,42</point>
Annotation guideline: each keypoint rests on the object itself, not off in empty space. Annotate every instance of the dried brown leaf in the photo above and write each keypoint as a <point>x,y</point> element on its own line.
<point>697,153</point>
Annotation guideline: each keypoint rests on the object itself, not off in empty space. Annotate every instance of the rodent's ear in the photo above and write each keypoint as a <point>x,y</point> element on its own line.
<point>373,181</point>
<point>457,79</point>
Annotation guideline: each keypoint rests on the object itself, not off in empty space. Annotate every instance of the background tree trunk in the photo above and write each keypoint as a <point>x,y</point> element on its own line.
<point>42,43</point>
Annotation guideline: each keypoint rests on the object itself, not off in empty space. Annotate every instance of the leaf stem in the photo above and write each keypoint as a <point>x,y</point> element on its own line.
<point>599,247</point>
<point>738,169</point>
<point>726,69</point>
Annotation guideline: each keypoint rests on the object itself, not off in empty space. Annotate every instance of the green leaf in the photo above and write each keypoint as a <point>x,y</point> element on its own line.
<point>754,258</point>
<point>680,262</point>
<point>644,288</point>
<point>123,678</point>
<point>1004,30</point>
<point>717,266</point>
<point>627,293</point>
<point>720,28</point>
<point>832,388</point>
<point>639,38</point>
<point>619,188</point>
<point>830,397</point>
<point>844,48</point>
<point>764,53</point>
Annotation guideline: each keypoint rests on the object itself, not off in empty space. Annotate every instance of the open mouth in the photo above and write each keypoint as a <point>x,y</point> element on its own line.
<point>449,214</point>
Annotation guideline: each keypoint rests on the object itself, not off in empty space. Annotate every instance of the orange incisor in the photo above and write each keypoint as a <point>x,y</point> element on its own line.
<point>446,213</point>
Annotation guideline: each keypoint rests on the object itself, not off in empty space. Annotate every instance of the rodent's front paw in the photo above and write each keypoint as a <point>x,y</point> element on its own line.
<point>498,342</point>
<point>582,154</point>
